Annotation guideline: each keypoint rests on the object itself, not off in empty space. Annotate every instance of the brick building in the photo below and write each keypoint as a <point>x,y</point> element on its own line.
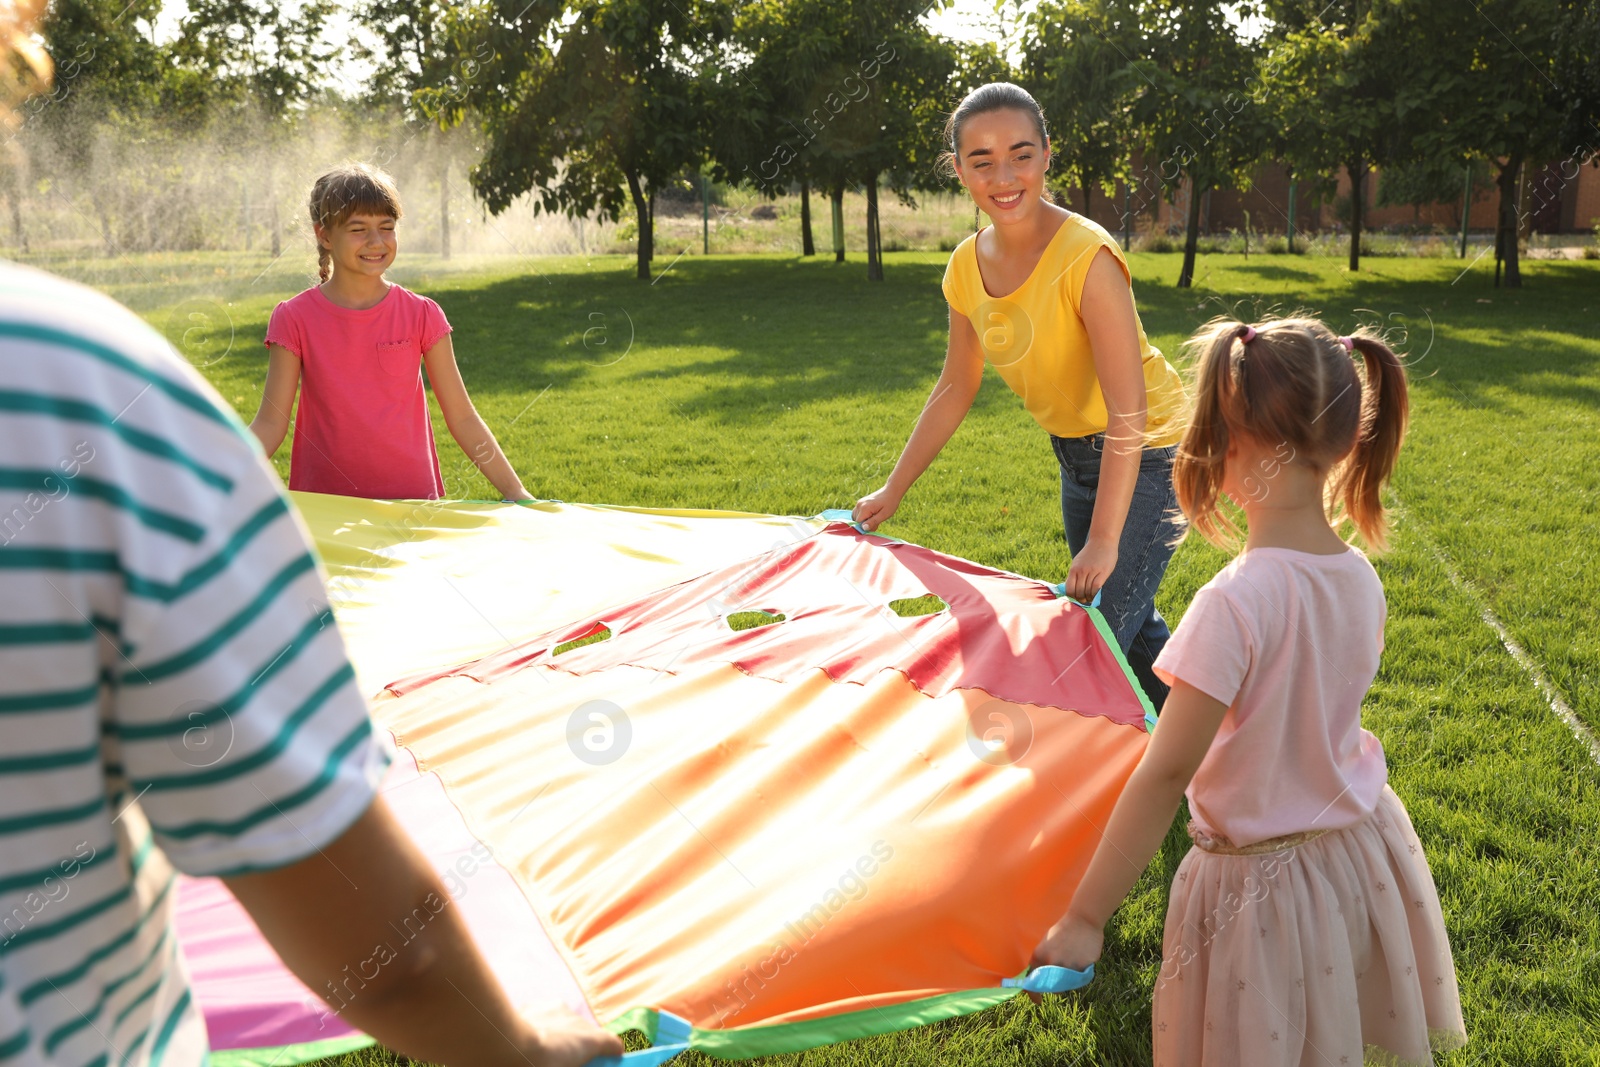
<point>1562,197</point>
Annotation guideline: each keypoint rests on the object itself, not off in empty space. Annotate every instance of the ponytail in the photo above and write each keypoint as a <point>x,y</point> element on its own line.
<point>324,258</point>
<point>1198,470</point>
<point>1384,408</point>
<point>1292,386</point>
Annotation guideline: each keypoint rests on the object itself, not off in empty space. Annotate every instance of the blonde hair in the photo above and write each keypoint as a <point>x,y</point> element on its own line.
<point>349,189</point>
<point>25,66</point>
<point>1294,383</point>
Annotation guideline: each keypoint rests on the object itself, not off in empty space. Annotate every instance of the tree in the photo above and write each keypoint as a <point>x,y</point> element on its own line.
<point>268,63</point>
<point>832,92</point>
<point>415,70</point>
<point>580,102</point>
<point>890,133</point>
<point>1192,106</point>
<point>108,78</point>
<point>1076,63</point>
<point>1515,83</point>
<point>763,87</point>
<point>1342,94</point>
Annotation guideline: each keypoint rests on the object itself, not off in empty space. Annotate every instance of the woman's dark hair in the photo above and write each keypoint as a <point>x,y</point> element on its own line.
<point>996,96</point>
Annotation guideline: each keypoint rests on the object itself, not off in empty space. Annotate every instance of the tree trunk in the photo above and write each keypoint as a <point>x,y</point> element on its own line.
<point>272,211</point>
<point>1191,237</point>
<point>444,207</point>
<point>1357,169</point>
<point>874,240</point>
<point>106,232</point>
<point>1506,232</point>
<point>836,195</point>
<point>808,246</point>
<point>1087,212</point>
<point>641,208</point>
<point>17,232</point>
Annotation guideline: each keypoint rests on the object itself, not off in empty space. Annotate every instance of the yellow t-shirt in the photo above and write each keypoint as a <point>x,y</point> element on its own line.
<point>1036,339</point>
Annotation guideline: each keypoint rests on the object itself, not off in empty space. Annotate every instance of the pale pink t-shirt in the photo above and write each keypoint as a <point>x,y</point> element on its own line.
<point>1289,640</point>
<point>363,427</point>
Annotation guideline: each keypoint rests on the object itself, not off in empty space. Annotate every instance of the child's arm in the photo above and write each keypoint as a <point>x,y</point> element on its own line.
<point>466,425</point>
<point>1139,823</point>
<point>277,398</point>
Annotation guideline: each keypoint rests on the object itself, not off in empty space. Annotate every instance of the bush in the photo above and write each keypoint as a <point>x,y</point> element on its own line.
<point>1157,241</point>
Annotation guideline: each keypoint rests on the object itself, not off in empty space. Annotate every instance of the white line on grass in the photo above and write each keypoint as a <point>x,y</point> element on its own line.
<point>1552,695</point>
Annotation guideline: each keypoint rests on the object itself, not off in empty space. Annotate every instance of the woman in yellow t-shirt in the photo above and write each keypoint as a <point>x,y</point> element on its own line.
<point>1044,296</point>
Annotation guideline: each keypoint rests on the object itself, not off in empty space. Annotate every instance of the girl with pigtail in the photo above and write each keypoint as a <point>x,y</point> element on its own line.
<point>359,342</point>
<point>1303,926</point>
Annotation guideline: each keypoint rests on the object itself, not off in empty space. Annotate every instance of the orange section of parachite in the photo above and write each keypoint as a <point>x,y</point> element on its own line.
<point>738,850</point>
<point>741,848</point>
<point>1008,636</point>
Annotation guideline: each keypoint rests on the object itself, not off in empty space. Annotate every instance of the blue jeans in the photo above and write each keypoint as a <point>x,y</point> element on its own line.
<point>1128,599</point>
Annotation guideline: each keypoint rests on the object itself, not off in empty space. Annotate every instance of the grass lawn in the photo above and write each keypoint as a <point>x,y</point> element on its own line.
<point>775,384</point>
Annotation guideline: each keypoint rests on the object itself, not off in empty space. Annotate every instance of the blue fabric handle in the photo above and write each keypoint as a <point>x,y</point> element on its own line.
<point>1060,590</point>
<point>672,1037</point>
<point>842,515</point>
<point>1051,980</point>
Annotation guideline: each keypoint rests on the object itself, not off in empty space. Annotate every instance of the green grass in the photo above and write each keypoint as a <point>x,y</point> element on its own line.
<point>774,384</point>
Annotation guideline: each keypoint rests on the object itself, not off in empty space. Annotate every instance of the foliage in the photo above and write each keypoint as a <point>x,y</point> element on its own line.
<point>257,52</point>
<point>1519,84</point>
<point>839,92</point>
<point>1076,63</point>
<point>1428,181</point>
<point>1192,108</point>
<point>1340,95</point>
<point>596,106</point>
<point>590,104</point>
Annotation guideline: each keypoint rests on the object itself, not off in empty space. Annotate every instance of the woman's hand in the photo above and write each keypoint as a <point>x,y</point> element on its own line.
<point>565,1040</point>
<point>1090,569</point>
<point>874,509</point>
<point>1071,943</point>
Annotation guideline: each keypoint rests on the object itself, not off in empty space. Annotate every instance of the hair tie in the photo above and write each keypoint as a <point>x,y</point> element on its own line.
<point>1349,343</point>
<point>1248,335</point>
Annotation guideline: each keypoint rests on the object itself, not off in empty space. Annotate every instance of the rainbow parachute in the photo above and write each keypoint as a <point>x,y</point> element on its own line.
<point>836,822</point>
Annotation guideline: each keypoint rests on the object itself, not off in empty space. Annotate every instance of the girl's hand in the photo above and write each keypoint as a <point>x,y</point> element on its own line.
<point>874,509</point>
<point>1090,569</point>
<point>1071,943</point>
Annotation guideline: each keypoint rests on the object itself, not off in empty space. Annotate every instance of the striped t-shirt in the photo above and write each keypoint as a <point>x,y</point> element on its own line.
<point>173,692</point>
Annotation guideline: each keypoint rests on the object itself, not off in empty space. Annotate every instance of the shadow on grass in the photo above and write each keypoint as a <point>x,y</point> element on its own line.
<point>783,332</point>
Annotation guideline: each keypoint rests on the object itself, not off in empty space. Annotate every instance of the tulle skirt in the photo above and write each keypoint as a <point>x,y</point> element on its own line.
<point>1330,952</point>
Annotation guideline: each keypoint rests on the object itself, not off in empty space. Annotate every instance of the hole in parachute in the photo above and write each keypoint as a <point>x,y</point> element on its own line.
<point>749,620</point>
<point>592,636</point>
<point>911,607</point>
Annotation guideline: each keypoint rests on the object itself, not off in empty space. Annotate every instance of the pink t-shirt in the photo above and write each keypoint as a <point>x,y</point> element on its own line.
<point>1289,640</point>
<point>363,427</point>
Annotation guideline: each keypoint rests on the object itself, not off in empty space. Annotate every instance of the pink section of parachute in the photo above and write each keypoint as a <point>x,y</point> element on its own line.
<point>250,1000</point>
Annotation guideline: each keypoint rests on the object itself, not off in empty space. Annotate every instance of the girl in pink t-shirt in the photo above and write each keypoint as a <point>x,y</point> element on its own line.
<point>1303,927</point>
<point>359,342</point>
